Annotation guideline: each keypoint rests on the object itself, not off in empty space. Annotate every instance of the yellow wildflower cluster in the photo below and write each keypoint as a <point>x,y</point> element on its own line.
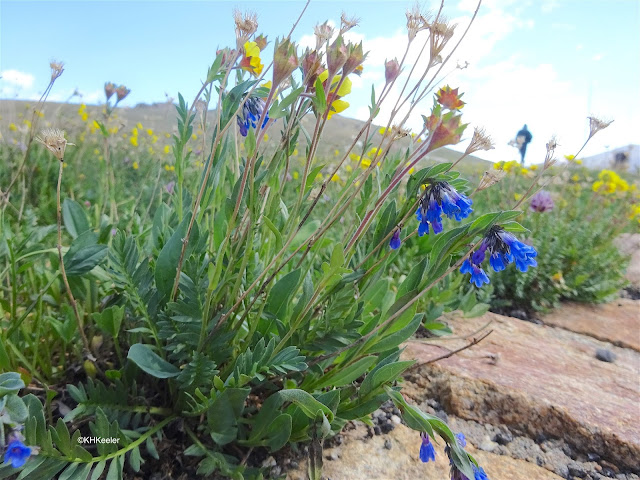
<point>170,168</point>
<point>510,166</point>
<point>634,214</point>
<point>82,111</point>
<point>133,139</point>
<point>573,159</point>
<point>609,182</point>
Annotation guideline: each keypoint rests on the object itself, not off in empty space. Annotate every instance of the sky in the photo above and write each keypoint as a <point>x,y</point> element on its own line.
<point>546,63</point>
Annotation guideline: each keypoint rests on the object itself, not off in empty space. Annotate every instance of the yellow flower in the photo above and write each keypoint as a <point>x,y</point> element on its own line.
<point>355,157</point>
<point>335,178</point>
<point>578,162</point>
<point>348,168</point>
<point>334,103</point>
<point>134,131</point>
<point>267,85</point>
<point>635,212</point>
<point>295,153</point>
<point>12,127</point>
<point>167,149</point>
<point>96,151</point>
<point>375,152</point>
<point>336,152</point>
<point>135,165</point>
<point>251,61</point>
<point>134,141</point>
<point>319,176</point>
<point>296,175</point>
<point>167,135</point>
<point>154,139</point>
<point>113,130</point>
<point>533,167</point>
<point>382,131</point>
<point>412,169</point>
<point>609,182</point>
<point>38,112</point>
<point>524,171</point>
<point>139,125</point>
<point>194,137</point>
<point>517,196</point>
<point>575,178</point>
<point>365,163</point>
<point>266,137</point>
<point>149,131</point>
<point>570,157</point>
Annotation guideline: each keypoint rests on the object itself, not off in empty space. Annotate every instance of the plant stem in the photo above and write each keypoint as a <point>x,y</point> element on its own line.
<point>72,300</point>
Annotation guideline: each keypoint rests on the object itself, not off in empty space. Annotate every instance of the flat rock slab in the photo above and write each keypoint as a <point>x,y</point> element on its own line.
<point>629,244</point>
<point>539,380</point>
<point>617,322</point>
<point>366,458</point>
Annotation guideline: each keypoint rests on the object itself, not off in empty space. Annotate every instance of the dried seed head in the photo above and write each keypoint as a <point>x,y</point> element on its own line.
<point>56,69</point>
<point>596,124</point>
<point>416,21</point>
<point>441,33</point>
<point>55,142</point>
<point>347,23</point>
<point>354,59</point>
<point>323,33</point>
<point>479,141</point>
<point>549,159</point>
<point>246,25</point>
<point>490,178</point>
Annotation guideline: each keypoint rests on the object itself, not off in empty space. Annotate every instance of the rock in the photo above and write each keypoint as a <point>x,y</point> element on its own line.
<point>577,471</point>
<point>546,383</point>
<point>396,419</point>
<point>370,460</point>
<point>269,462</point>
<point>387,427</point>
<point>605,355</point>
<point>593,457</point>
<point>377,430</point>
<point>617,322</point>
<point>487,445</point>
<point>387,444</point>
<point>503,438</point>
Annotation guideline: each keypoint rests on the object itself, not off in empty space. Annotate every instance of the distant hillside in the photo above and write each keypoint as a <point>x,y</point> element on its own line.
<point>338,135</point>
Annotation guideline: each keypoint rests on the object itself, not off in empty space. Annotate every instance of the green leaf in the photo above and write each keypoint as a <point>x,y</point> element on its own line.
<point>312,176</point>
<point>75,220</point>
<point>223,414</point>
<point>279,432</point>
<point>413,280</point>
<point>109,320</point>
<point>150,362</point>
<point>309,405</point>
<point>167,263</point>
<point>281,294</point>
<point>396,338</point>
<point>320,100</point>
<point>385,374</point>
<point>341,376</point>
<point>15,409</point>
<point>84,260</point>
<point>10,382</point>
<point>514,227</point>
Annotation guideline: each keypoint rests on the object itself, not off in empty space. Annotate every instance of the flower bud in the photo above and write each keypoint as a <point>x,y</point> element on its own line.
<point>391,70</point>
<point>261,41</point>
<point>311,68</point>
<point>122,92</point>
<point>354,60</point>
<point>336,56</point>
<point>285,61</point>
<point>109,89</point>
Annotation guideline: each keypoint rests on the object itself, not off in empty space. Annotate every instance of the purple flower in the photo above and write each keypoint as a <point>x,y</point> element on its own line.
<point>113,232</point>
<point>170,187</point>
<point>394,243</point>
<point>542,202</point>
<point>439,198</point>
<point>250,115</point>
<point>427,452</point>
<point>478,474</point>
<point>461,440</point>
<point>503,249</point>
<point>17,454</point>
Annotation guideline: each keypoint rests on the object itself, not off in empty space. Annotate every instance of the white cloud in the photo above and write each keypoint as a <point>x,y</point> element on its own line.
<point>597,57</point>
<point>17,78</point>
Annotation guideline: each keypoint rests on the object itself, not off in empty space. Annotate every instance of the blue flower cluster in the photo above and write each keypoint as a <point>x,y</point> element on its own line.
<point>478,472</point>
<point>251,113</point>
<point>439,198</point>
<point>17,453</point>
<point>503,249</point>
<point>427,453</point>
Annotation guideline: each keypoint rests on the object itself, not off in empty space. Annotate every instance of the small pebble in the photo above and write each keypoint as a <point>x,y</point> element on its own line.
<point>387,427</point>
<point>377,430</point>
<point>387,444</point>
<point>605,355</point>
<point>396,419</point>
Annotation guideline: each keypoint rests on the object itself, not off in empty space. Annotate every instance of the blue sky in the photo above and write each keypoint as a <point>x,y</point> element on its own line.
<point>547,63</point>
